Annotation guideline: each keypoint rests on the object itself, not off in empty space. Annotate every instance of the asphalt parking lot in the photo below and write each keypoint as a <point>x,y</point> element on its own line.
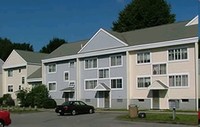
<point>99,119</point>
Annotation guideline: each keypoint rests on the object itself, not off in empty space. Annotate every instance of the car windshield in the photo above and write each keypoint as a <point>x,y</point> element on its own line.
<point>67,103</point>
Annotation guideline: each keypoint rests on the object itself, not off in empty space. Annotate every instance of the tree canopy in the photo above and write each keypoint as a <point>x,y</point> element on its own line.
<point>53,44</point>
<point>142,14</point>
<point>6,47</point>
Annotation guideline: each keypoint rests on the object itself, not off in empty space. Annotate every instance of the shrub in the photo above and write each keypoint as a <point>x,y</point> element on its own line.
<point>49,103</point>
<point>7,100</point>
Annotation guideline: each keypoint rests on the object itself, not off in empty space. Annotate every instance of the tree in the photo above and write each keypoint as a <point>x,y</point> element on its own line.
<point>36,97</point>
<point>6,47</point>
<point>53,44</point>
<point>142,14</point>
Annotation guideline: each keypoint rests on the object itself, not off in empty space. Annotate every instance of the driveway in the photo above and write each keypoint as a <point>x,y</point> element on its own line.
<point>100,119</point>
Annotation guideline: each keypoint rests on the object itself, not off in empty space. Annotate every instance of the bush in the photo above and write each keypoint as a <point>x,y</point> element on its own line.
<point>49,103</point>
<point>7,100</point>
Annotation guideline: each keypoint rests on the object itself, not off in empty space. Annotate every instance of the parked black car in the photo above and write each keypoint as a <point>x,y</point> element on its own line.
<point>74,107</point>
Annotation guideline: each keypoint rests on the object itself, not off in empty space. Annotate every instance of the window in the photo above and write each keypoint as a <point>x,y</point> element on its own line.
<point>104,73</point>
<point>90,84</point>
<point>66,76</point>
<point>10,88</point>
<point>116,83</point>
<point>143,57</point>
<point>71,64</point>
<point>116,60</point>
<point>23,80</point>
<point>72,84</point>
<point>178,80</point>
<point>141,100</point>
<point>143,82</point>
<point>90,63</point>
<point>159,69</point>
<point>185,100</point>
<point>10,73</point>
<point>20,87</point>
<point>52,68</point>
<point>20,70</point>
<point>177,54</point>
<point>52,86</point>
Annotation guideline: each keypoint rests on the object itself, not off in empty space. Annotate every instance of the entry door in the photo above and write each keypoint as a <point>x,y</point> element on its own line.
<point>68,96</point>
<point>106,99</point>
<point>156,100</point>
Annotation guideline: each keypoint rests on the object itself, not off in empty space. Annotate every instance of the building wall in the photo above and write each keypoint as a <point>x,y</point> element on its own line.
<point>159,56</point>
<point>15,80</point>
<point>118,97</point>
<point>58,77</point>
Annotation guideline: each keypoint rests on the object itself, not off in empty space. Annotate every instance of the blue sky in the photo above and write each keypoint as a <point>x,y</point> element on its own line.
<point>38,21</point>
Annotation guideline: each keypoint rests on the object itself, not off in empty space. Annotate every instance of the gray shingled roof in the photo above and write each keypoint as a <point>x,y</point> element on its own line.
<point>31,57</point>
<point>158,34</point>
<point>137,37</point>
<point>36,74</point>
<point>67,49</point>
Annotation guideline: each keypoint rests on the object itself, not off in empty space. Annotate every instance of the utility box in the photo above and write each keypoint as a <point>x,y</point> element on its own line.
<point>133,111</point>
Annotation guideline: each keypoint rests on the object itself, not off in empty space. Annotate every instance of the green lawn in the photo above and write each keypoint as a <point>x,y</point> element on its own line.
<point>163,118</point>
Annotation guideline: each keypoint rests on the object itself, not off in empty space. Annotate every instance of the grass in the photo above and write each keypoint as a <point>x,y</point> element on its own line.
<point>164,118</point>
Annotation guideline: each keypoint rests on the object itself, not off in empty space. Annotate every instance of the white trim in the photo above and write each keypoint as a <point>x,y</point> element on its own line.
<point>159,63</point>
<point>122,59</point>
<point>92,58</point>
<point>64,76</point>
<point>178,87</point>
<point>103,68</point>
<point>55,68</point>
<point>124,49</point>
<point>142,76</point>
<point>34,80</point>
<point>150,54</point>
<point>116,79</point>
<point>192,21</point>
<point>55,86</point>
<point>12,88</point>
<point>181,60</point>
<point>14,66</point>
<point>102,30</point>
<point>95,79</point>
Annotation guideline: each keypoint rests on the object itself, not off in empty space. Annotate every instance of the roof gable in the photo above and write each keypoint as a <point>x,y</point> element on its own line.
<point>194,21</point>
<point>14,60</point>
<point>102,40</point>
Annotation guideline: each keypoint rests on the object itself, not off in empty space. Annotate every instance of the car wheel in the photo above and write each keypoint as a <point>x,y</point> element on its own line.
<point>91,111</point>
<point>73,112</point>
<point>1,123</point>
<point>61,113</point>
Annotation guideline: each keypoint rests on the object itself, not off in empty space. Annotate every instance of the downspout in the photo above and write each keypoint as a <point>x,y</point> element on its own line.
<point>196,75</point>
<point>128,80</point>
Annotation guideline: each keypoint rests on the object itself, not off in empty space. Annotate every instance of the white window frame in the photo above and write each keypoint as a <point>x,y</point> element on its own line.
<point>10,73</point>
<point>70,83</point>
<point>181,59</point>
<point>144,76</point>
<point>9,89</point>
<point>103,73</point>
<point>55,86</point>
<point>116,78</point>
<point>70,64</point>
<point>116,65</point>
<point>50,68</point>
<point>179,74</point>
<point>159,74</point>
<point>143,58</point>
<point>89,80</point>
<point>64,76</point>
<point>22,80</point>
<point>92,63</point>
